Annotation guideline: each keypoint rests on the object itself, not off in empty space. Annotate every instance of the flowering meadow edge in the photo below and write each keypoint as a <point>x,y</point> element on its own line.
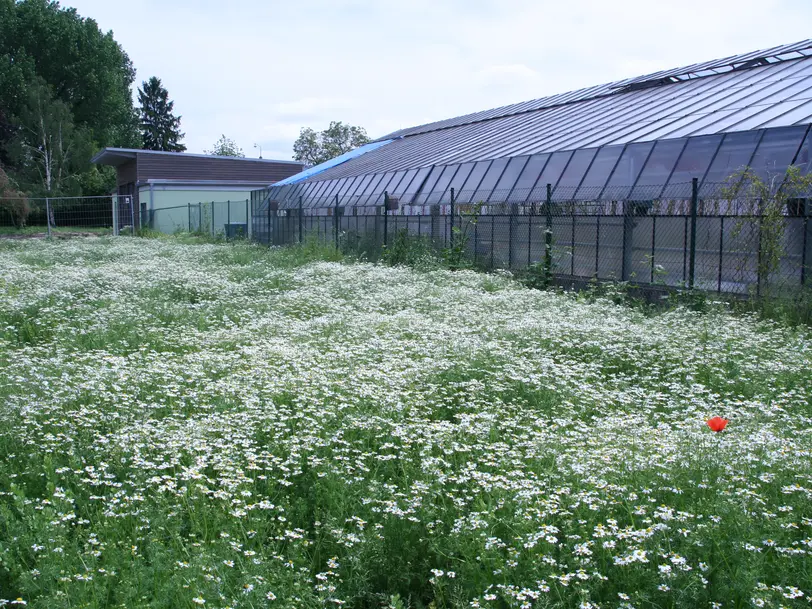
<point>187,425</point>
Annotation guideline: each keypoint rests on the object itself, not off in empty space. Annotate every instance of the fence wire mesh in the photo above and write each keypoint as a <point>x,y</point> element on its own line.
<point>675,237</point>
<point>67,216</point>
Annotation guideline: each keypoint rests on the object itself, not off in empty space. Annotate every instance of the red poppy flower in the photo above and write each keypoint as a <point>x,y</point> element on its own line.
<point>717,423</point>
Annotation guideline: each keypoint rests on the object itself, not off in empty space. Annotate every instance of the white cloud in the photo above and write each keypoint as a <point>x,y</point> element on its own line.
<point>259,70</point>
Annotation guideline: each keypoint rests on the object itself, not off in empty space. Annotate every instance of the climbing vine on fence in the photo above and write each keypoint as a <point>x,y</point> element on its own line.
<point>769,200</point>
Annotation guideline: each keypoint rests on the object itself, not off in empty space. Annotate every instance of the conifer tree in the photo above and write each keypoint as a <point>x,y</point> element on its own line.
<point>160,128</point>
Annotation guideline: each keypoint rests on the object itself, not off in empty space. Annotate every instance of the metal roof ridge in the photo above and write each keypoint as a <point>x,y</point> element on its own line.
<point>110,149</point>
<point>662,78</point>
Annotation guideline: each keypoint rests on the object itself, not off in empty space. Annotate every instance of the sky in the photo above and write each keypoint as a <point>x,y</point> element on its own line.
<point>258,71</point>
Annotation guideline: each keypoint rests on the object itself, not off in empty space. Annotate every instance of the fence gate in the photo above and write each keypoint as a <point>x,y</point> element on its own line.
<point>123,211</point>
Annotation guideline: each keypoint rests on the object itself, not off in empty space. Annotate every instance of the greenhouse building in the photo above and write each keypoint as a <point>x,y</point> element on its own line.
<point>659,148</point>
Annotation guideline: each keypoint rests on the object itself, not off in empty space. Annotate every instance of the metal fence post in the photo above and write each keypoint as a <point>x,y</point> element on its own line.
<point>336,222</point>
<point>451,230</point>
<point>721,251</point>
<point>228,218</point>
<point>211,203</point>
<point>476,238</point>
<point>759,266</point>
<point>200,217</point>
<point>189,216</point>
<point>628,240</point>
<point>301,218</point>
<point>529,237</point>
<point>115,206</point>
<point>511,231</point>
<point>806,253</point>
<point>385,216</point>
<point>597,244</point>
<point>493,232</point>
<point>48,214</point>
<point>548,234</point>
<point>572,245</point>
<point>249,221</point>
<point>132,217</point>
<point>653,245</point>
<point>692,250</point>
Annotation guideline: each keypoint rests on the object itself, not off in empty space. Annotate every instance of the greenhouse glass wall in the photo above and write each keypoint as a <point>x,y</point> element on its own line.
<point>658,149</point>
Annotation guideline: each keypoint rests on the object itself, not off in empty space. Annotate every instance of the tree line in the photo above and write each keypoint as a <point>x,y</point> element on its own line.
<point>65,92</point>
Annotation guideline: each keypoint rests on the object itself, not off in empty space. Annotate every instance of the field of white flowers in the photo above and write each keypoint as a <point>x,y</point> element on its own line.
<point>187,425</point>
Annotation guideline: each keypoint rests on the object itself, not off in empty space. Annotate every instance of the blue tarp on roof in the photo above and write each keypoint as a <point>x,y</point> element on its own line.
<point>309,173</point>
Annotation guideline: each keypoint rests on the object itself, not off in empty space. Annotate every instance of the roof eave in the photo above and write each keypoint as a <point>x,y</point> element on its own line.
<point>114,158</point>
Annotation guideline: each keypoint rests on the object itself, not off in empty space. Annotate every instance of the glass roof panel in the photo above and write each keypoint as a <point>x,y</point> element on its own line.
<point>395,182</point>
<point>472,183</point>
<point>407,178</point>
<point>290,197</point>
<point>692,163</point>
<point>528,178</point>
<point>376,196</point>
<point>304,189</point>
<point>550,174</point>
<point>348,185</point>
<point>320,185</point>
<point>415,184</point>
<point>574,173</point>
<point>276,193</point>
<point>804,156</point>
<point>440,187</point>
<point>658,169</point>
<point>734,153</point>
<point>322,196</point>
<point>599,172</point>
<point>363,197</point>
<point>459,178</point>
<point>335,184</point>
<point>311,195</point>
<point>626,171</point>
<point>495,171</point>
<point>359,188</point>
<point>505,184</point>
<point>353,190</point>
<point>428,186</point>
<point>776,151</point>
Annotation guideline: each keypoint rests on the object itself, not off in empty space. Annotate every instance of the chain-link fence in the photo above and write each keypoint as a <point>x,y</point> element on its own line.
<point>67,216</point>
<point>717,242</point>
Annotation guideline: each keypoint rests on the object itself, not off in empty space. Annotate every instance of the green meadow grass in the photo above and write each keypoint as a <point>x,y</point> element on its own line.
<point>188,424</point>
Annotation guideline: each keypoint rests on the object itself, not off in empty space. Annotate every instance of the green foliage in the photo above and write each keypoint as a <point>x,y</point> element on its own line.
<point>405,249</point>
<point>313,147</point>
<point>160,128</point>
<point>791,307</point>
<point>98,181</point>
<point>14,207</point>
<point>86,68</point>
<point>50,150</point>
<point>456,255</point>
<point>247,426</point>
<point>225,146</point>
<point>769,200</point>
<point>64,81</point>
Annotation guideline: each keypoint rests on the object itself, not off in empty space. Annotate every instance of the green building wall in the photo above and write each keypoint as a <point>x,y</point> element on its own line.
<point>174,210</point>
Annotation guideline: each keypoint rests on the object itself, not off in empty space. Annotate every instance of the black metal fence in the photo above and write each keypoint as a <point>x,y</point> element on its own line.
<point>715,242</point>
